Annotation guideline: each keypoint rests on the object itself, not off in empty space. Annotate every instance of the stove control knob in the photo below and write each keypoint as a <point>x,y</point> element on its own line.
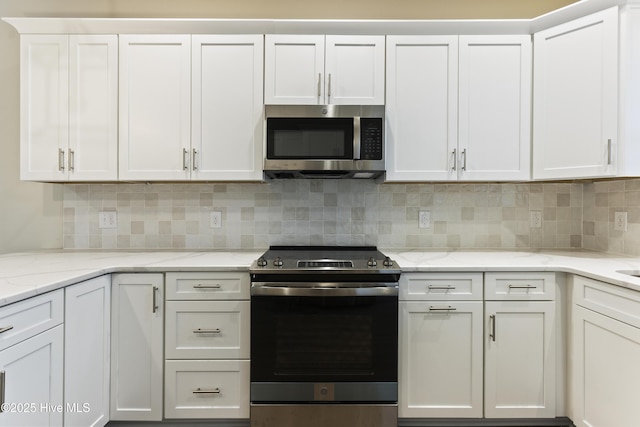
<point>278,262</point>
<point>372,262</point>
<point>262,262</point>
<point>388,262</point>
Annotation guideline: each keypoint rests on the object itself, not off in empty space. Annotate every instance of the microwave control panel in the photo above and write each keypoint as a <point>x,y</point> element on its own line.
<point>370,138</point>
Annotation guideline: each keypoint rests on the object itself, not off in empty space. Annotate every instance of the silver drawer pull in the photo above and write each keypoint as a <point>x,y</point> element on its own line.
<point>447,308</point>
<point>522,286</point>
<point>5,329</point>
<point>445,288</point>
<point>492,319</point>
<point>2,394</point>
<point>200,286</point>
<point>212,391</point>
<point>207,331</point>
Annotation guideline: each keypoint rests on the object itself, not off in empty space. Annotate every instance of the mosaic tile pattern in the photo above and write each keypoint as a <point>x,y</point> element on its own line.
<point>325,212</point>
<point>601,201</point>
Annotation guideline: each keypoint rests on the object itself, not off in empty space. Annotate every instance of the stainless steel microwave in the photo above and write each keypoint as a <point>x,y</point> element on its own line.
<point>324,141</point>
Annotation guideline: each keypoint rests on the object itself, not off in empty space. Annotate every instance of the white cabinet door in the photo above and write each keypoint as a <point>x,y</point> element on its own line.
<point>494,108</point>
<point>87,352</point>
<point>155,107</point>
<point>312,69</point>
<point>227,113</point>
<point>422,107</point>
<point>440,368</point>
<point>93,108</point>
<point>294,69</point>
<point>520,359</point>
<point>354,70</point>
<point>605,371</point>
<point>44,107</point>
<point>575,98</point>
<point>33,381</point>
<point>69,95</point>
<point>136,347</point>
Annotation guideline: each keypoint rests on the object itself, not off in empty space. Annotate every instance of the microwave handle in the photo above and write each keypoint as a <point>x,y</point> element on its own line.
<point>356,138</point>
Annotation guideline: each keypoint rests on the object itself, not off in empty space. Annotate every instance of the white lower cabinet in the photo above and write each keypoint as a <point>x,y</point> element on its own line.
<point>136,347</point>
<point>87,353</point>
<point>448,370</point>
<point>520,358</point>
<point>440,369</point>
<point>207,388</point>
<point>441,356</point>
<point>207,345</point>
<point>31,361</point>
<point>605,350</point>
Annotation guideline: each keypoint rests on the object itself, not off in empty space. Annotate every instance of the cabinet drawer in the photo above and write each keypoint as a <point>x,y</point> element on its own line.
<point>207,330</point>
<point>441,286</point>
<point>520,286</point>
<point>207,286</point>
<point>613,301</point>
<point>206,389</point>
<point>30,317</point>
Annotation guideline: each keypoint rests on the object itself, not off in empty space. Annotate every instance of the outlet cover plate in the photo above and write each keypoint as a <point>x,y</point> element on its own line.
<point>108,219</point>
<point>424,219</point>
<point>535,219</point>
<point>216,219</point>
<point>620,221</point>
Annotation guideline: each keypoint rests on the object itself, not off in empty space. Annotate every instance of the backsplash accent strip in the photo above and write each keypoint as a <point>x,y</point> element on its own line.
<point>334,212</point>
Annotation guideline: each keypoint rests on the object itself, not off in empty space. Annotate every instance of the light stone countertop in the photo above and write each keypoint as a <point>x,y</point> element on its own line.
<point>26,274</point>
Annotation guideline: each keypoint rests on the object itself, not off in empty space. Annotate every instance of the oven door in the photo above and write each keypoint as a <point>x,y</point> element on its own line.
<point>326,344</point>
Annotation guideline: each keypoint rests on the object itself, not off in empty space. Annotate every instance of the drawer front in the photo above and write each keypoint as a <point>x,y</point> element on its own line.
<point>207,286</point>
<point>207,330</point>
<point>613,301</point>
<point>206,389</point>
<point>27,318</point>
<point>441,286</point>
<point>520,286</point>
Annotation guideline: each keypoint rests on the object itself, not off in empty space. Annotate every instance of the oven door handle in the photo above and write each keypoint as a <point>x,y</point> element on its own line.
<point>323,289</point>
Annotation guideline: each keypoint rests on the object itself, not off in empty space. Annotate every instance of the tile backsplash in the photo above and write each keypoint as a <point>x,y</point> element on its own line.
<point>347,212</point>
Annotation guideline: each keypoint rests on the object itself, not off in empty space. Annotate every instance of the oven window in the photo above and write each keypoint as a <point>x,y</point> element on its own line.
<point>324,339</point>
<point>304,138</point>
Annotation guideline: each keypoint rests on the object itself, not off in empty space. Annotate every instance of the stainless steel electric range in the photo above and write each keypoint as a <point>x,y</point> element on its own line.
<point>324,337</point>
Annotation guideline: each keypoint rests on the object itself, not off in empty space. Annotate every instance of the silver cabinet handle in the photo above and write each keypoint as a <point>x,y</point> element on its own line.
<point>446,288</point>
<point>212,391</point>
<point>195,155</point>
<point>72,160</point>
<point>447,308</point>
<point>329,88</point>
<point>522,286</point>
<point>492,319</point>
<point>60,159</point>
<point>201,286</point>
<point>319,85</point>
<point>185,159</point>
<point>155,298</point>
<point>5,329</point>
<point>455,159</point>
<point>2,390</point>
<point>609,151</point>
<point>464,159</point>
<point>207,331</point>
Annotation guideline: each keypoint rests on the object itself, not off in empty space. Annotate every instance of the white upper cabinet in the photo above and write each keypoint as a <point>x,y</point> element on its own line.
<point>314,69</point>
<point>155,107</point>
<point>227,107</point>
<point>458,108</point>
<point>494,135</point>
<point>422,107</point>
<point>575,98</point>
<point>69,107</point>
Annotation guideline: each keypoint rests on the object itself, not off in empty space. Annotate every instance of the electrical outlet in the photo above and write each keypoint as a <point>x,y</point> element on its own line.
<point>424,219</point>
<point>216,219</point>
<point>108,219</point>
<point>535,219</point>
<point>620,221</point>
